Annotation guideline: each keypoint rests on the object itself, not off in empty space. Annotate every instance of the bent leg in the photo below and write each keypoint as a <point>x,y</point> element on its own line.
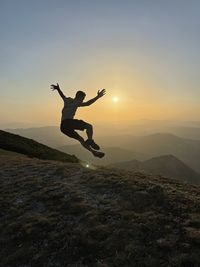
<point>90,141</point>
<point>89,131</point>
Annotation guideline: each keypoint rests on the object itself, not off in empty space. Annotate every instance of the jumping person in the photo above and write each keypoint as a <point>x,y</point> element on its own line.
<point>69,124</point>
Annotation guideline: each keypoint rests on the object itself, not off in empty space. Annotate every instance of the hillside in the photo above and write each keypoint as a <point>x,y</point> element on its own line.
<point>56,214</point>
<point>31,148</point>
<point>167,166</point>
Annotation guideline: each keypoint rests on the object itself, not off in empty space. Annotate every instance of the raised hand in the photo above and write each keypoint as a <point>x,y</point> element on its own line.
<point>55,87</point>
<point>101,93</point>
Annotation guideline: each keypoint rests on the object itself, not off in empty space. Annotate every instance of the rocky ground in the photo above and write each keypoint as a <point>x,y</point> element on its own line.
<point>55,214</point>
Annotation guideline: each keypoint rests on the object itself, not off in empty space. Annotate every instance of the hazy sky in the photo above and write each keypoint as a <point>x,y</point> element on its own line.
<point>144,52</point>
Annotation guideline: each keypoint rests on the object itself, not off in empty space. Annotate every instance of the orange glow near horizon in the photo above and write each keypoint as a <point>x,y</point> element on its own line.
<point>116,106</point>
<point>130,96</point>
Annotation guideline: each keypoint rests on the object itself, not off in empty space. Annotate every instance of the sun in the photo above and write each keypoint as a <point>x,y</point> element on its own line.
<point>115,99</point>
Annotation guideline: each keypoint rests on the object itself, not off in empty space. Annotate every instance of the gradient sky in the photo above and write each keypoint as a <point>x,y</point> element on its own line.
<point>144,52</point>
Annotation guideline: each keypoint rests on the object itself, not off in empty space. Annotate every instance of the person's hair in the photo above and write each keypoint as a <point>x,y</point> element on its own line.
<point>80,94</point>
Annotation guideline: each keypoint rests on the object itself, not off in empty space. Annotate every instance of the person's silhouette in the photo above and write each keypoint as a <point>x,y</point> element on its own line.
<point>69,124</point>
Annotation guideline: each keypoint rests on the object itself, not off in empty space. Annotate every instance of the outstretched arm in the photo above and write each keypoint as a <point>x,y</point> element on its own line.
<point>57,87</point>
<point>91,101</point>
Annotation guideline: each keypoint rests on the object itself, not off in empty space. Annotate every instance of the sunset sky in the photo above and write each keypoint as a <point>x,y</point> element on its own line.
<point>145,52</point>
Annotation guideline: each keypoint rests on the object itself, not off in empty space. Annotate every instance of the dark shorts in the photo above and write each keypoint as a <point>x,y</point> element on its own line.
<point>69,126</point>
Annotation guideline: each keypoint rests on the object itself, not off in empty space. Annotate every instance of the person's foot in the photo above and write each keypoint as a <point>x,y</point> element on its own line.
<point>90,142</point>
<point>98,154</point>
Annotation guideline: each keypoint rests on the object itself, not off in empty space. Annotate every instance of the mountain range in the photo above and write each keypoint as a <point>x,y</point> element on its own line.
<point>142,147</point>
<point>189,130</point>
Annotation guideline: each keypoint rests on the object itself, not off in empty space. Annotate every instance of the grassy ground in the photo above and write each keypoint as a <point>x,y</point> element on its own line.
<point>56,215</point>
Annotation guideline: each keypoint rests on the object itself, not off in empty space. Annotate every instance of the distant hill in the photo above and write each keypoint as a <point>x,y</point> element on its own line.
<point>112,154</point>
<point>56,214</point>
<point>167,166</point>
<point>31,148</point>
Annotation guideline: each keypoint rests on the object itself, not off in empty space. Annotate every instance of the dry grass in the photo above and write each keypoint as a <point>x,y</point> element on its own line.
<point>56,215</point>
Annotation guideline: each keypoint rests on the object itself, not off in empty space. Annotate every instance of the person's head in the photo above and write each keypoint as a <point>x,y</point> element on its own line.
<point>80,95</point>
